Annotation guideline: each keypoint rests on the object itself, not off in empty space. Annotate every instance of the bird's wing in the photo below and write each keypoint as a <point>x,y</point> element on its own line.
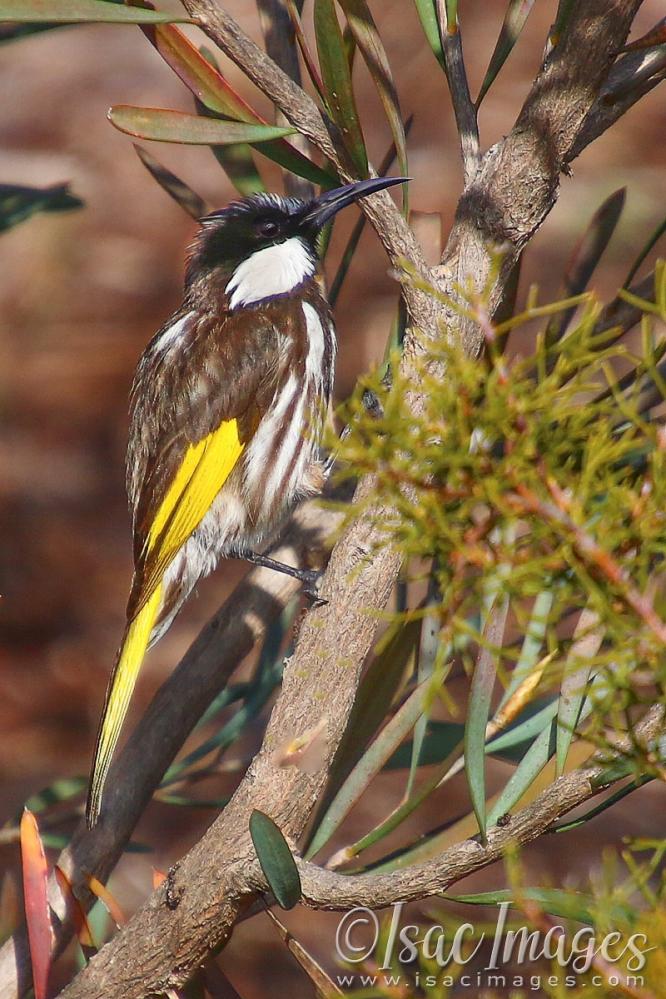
<point>189,429</point>
<point>195,406</point>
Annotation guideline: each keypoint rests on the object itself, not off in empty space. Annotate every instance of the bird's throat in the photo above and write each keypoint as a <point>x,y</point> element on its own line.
<point>274,270</point>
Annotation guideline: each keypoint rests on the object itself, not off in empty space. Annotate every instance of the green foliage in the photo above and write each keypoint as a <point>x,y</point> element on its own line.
<point>533,473</point>
<point>18,203</point>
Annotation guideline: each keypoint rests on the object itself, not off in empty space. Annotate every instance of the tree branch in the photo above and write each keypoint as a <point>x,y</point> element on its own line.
<point>326,889</point>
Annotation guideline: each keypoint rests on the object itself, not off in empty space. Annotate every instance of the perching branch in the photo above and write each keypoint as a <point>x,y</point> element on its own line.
<point>461,99</point>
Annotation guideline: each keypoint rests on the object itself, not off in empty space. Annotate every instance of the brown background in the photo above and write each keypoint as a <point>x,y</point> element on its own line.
<point>80,295</point>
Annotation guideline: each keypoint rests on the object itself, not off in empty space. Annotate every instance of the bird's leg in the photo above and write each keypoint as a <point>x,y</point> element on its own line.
<point>308,577</point>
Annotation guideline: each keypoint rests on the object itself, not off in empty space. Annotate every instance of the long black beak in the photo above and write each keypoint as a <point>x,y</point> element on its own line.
<point>329,204</point>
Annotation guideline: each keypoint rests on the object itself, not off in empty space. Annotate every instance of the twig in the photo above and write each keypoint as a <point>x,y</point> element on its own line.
<point>463,105</point>
<point>280,41</point>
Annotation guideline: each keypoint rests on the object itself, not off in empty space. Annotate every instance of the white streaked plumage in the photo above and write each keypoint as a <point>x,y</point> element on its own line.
<point>173,334</point>
<point>261,450</point>
<point>275,270</point>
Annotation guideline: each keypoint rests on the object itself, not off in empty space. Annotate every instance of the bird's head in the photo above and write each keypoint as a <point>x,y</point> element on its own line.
<point>240,232</point>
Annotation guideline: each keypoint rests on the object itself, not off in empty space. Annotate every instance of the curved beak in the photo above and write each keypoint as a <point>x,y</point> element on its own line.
<point>323,208</point>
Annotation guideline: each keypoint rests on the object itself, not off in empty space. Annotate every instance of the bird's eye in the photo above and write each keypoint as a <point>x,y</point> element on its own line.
<point>266,227</point>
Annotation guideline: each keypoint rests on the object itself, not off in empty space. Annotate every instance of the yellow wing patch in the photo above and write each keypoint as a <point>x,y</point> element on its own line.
<point>205,468</point>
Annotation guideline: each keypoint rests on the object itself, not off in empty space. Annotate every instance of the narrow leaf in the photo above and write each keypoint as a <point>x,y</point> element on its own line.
<point>651,243</point>
<point>324,985</point>
<point>302,41</point>
<point>75,911</point>
<point>478,710</point>
<point>72,11</point>
<point>516,15</point>
<point>529,768</point>
<point>587,642</point>
<point>109,902</point>
<point>364,31</point>
<point>359,225</point>
<point>370,764</point>
<point>428,16</point>
<point>162,125</point>
<point>202,77</point>
<point>427,653</point>
<point>276,860</point>
<point>560,902</point>
<point>189,200</point>
<point>608,802</point>
<point>35,896</point>
<point>440,739</point>
<point>337,82</point>
<point>18,203</point>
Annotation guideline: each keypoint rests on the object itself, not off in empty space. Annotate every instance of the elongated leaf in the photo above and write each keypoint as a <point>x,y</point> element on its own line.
<point>516,15</point>
<point>478,710</point>
<point>584,258</point>
<point>560,902</point>
<point>18,203</point>
<point>337,82</point>
<point>202,77</point>
<point>276,860</point>
<point>35,896</point>
<point>366,35</point>
<point>428,16</point>
<point>302,42</point>
<point>189,200</point>
<point>531,647</point>
<point>60,790</point>
<point>108,900</point>
<point>162,125</point>
<point>529,768</point>
<point>72,11</point>
<point>523,731</point>
<point>359,225</point>
<point>429,647</point>
<point>370,764</point>
<point>75,911</point>
<point>587,642</point>
<point>324,985</point>
<point>650,244</point>
<point>611,800</point>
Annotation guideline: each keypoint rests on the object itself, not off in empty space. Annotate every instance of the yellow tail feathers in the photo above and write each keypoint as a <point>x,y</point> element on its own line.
<point>118,696</point>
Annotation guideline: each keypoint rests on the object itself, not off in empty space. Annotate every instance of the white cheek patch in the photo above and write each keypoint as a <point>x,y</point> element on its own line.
<point>275,270</point>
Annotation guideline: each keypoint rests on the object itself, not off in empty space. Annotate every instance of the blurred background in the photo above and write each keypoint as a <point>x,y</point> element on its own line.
<point>81,294</point>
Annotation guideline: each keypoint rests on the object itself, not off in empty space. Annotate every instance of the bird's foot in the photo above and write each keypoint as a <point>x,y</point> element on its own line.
<point>309,578</point>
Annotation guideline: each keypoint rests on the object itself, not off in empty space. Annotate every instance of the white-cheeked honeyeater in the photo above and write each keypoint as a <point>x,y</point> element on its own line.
<point>227,411</point>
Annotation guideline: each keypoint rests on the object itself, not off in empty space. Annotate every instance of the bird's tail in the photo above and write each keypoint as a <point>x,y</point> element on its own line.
<point>118,694</point>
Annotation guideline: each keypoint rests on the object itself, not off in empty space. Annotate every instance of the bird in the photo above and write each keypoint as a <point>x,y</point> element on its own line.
<point>227,410</point>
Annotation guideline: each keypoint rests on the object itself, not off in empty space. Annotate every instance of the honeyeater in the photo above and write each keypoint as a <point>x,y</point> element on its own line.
<point>227,410</point>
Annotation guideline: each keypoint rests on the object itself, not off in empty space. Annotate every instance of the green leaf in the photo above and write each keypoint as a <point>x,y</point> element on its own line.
<point>587,642</point>
<point>564,903</point>
<point>429,21</point>
<point>611,800</point>
<point>364,31</point>
<point>516,15</point>
<point>18,203</point>
<point>191,202</point>
<point>478,710</point>
<point>337,82</point>
<point>650,244</point>
<point>73,11</point>
<point>370,764</point>
<point>276,860</point>
<point>60,790</point>
<point>161,125</point>
<point>302,42</point>
<point>429,647</point>
<point>529,768</point>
